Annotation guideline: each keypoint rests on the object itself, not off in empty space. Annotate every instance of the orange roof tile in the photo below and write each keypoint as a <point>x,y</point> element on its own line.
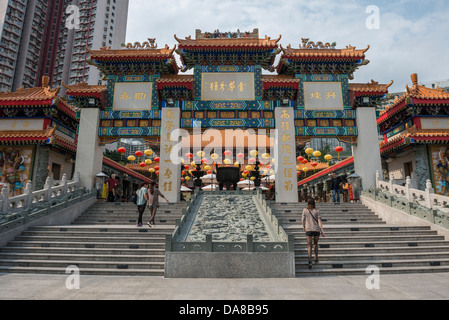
<point>83,88</point>
<point>131,53</point>
<point>415,92</point>
<point>280,79</point>
<point>37,94</point>
<point>349,52</point>
<point>267,42</point>
<point>370,87</point>
<point>173,78</point>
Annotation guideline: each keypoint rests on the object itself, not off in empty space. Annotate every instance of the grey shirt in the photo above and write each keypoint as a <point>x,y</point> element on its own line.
<point>310,223</point>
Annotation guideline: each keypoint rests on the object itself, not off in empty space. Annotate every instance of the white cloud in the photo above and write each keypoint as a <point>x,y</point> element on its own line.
<point>413,35</point>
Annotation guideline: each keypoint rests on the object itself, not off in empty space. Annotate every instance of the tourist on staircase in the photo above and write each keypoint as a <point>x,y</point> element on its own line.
<point>313,227</point>
<point>336,185</point>
<point>153,202</point>
<point>142,199</point>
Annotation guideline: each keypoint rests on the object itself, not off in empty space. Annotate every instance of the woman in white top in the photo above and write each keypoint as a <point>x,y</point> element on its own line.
<point>313,227</point>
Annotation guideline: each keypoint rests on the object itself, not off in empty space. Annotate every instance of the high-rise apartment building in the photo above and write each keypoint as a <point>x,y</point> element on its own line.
<point>49,37</point>
<point>101,23</point>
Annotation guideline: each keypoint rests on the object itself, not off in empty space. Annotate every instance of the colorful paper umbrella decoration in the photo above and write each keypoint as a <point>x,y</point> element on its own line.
<point>328,157</point>
<point>143,164</point>
<point>138,153</point>
<point>148,162</point>
<point>214,156</point>
<point>339,150</point>
<point>148,152</point>
<point>157,159</point>
<point>131,158</point>
<point>317,154</point>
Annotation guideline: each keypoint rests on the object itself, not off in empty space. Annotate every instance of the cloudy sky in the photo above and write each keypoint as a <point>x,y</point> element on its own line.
<point>413,35</point>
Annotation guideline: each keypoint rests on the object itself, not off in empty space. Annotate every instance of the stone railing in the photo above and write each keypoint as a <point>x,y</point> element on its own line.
<point>427,198</point>
<point>19,210</point>
<point>413,208</point>
<point>175,243</point>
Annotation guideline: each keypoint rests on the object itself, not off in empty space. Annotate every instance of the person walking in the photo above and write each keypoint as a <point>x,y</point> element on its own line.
<point>313,227</point>
<point>142,199</point>
<point>336,185</point>
<point>112,188</point>
<point>153,202</point>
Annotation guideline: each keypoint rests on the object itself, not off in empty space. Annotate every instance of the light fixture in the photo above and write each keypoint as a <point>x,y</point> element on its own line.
<point>170,102</point>
<point>285,102</point>
<point>366,100</point>
<point>91,102</point>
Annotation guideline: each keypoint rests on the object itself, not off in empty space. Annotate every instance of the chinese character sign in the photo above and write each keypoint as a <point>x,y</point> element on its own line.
<point>323,96</point>
<point>133,96</point>
<point>285,153</point>
<point>227,86</point>
<point>170,173</point>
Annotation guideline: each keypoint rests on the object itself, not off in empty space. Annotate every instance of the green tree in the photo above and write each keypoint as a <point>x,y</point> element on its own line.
<point>116,156</point>
<point>324,152</point>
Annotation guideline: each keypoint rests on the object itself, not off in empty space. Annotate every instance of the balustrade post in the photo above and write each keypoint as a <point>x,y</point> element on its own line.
<point>408,184</point>
<point>64,185</point>
<point>29,195</point>
<point>427,196</point>
<point>377,178</point>
<point>47,188</point>
<point>5,196</point>
<point>391,183</point>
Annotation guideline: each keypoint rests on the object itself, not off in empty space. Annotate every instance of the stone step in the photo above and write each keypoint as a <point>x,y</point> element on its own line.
<point>104,235</point>
<point>304,272</point>
<point>375,256</point>
<point>338,264</point>
<point>376,250</point>
<point>43,239</point>
<point>370,239</point>
<point>74,249</point>
<point>372,244</point>
<point>351,228</point>
<point>81,257</point>
<point>83,264</point>
<point>85,271</point>
<point>292,222</point>
<point>104,229</point>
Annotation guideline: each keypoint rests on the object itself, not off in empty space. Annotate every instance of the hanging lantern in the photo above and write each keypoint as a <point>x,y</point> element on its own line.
<point>152,170</point>
<point>183,173</point>
<point>156,168</point>
<point>305,169</point>
<point>240,156</point>
<point>157,172</point>
<point>339,150</point>
<point>300,159</point>
<point>148,152</point>
<point>249,168</point>
<point>192,164</point>
<point>204,160</point>
<point>237,165</point>
<point>121,150</point>
<point>183,179</point>
<point>187,178</point>
<point>207,168</point>
<point>209,172</point>
<point>317,154</point>
<point>246,172</point>
<point>200,154</point>
<point>189,156</point>
<point>253,178</point>
<point>187,167</point>
<point>253,153</point>
<point>131,158</point>
<point>305,161</point>
<point>228,153</point>
<point>266,156</point>
<point>328,157</point>
<point>138,153</point>
<point>314,165</point>
<point>142,165</point>
<point>309,152</point>
<point>214,156</point>
<point>182,161</point>
<point>252,160</point>
<point>227,161</point>
<point>148,162</point>
<point>157,159</point>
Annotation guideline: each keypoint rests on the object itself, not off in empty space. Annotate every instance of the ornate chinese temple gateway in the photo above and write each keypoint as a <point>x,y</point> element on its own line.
<point>308,95</point>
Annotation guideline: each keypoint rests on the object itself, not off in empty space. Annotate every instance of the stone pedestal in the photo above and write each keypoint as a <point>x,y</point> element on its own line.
<point>89,155</point>
<point>170,171</point>
<point>285,155</point>
<point>367,159</point>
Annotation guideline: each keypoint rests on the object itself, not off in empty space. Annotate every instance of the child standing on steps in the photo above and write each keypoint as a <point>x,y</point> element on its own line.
<point>312,225</point>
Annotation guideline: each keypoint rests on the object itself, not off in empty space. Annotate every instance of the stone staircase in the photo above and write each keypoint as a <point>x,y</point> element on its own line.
<point>102,241</point>
<point>356,238</point>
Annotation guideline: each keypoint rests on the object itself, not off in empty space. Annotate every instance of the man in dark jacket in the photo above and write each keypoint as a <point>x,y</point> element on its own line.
<point>336,184</point>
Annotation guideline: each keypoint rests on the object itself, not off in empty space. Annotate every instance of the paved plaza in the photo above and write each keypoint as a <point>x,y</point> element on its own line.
<point>48,287</point>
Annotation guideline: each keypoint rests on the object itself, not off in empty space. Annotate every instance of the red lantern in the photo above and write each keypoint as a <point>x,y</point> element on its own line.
<point>305,161</point>
<point>157,159</point>
<point>183,172</point>
<point>143,165</point>
<point>156,168</point>
<point>314,164</point>
<point>269,166</point>
<point>246,172</point>
<point>204,160</point>
<point>138,153</point>
<point>209,172</point>
<point>182,179</point>
<point>339,150</point>
<point>189,156</point>
<point>121,150</point>
<point>300,159</point>
<point>242,179</point>
<point>187,167</point>
<point>298,173</point>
